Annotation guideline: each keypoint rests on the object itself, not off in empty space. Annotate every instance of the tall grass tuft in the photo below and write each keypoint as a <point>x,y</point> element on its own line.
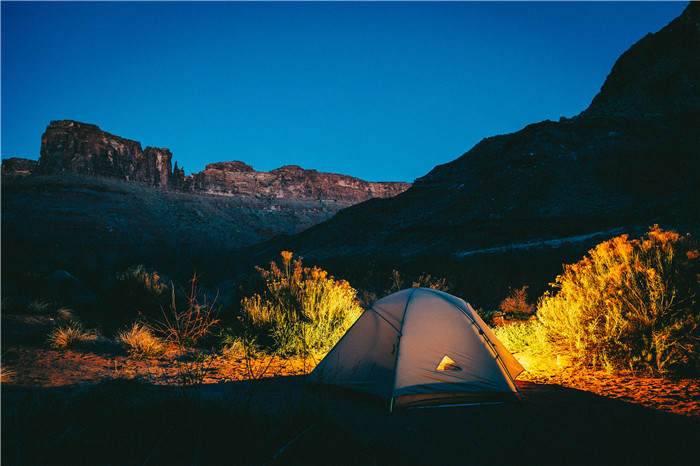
<point>39,306</point>
<point>302,310</point>
<point>630,304</point>
<point>140,343</point>
<point>73,335</point>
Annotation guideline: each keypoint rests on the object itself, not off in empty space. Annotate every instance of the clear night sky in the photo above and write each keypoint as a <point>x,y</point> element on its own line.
<point>381,91</point>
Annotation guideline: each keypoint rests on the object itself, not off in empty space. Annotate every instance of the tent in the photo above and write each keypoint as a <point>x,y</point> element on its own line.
<point>420,347</point>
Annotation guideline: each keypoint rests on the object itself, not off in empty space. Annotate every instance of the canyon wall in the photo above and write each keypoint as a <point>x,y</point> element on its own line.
<point>70,146</point>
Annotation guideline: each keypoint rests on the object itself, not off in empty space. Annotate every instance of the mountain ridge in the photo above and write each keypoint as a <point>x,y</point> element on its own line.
<point>629,160</point>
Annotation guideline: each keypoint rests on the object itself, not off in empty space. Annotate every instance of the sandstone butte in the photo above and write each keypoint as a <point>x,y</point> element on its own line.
<point>81,148</point>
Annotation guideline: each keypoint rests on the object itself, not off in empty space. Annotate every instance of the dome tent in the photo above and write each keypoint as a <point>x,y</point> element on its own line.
<point>420,347</point>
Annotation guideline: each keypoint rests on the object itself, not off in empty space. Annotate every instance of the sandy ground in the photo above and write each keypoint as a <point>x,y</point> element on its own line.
<point>27,362</point>
<point>567,415</point>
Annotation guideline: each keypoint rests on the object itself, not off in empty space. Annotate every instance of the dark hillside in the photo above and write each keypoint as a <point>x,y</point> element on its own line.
<point>632,159</point>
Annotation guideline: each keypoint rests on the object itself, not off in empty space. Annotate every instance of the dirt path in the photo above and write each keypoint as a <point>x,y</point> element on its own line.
<point>556,242</point>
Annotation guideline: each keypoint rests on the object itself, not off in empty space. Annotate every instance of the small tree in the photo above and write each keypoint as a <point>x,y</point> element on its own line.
<point>630,304</point>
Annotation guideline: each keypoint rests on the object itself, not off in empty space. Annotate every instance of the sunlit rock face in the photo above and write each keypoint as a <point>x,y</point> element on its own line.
<point>288,182</point>
<point>70,146</point>
<point>630,160</point>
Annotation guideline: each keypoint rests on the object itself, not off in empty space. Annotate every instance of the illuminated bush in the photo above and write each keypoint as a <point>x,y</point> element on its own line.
<point>524,338</point>
<point>630,304</point>
<point>73,335</point>
<point>139,342</point>
<point>516,304</point>
<point>302,310</point>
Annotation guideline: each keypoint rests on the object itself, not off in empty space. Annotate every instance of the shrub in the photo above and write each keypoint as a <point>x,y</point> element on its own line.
<point>66,314</point>
<point>526,338</point>
<point>72,335</point>
<point>302,310</point>
<point>139,290</point>
<point>428,281</point>
<point>140,342</point>
<point>188,324</point>
<point>39,306</point>
<point>396,283</point>
<point>516,305</point>
<point>630,304</point>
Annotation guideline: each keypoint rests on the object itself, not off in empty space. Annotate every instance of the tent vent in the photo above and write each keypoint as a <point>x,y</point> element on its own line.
<point>447,364</point>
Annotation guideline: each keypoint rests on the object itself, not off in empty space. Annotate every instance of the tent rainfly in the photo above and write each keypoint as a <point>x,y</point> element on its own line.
<point>421,347</point>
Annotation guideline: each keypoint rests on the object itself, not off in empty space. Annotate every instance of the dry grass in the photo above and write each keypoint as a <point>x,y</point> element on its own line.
<point>39,306</point>
<point>67,315</point>
<point>187,325</point>
<point>140,342</point>
<point>73,335</point>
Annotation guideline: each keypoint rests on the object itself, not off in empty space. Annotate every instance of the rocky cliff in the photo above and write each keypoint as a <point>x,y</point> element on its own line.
<point>94,225</point>
<point>290,181</point>
<point>18,167</point>
<point>70,146</point>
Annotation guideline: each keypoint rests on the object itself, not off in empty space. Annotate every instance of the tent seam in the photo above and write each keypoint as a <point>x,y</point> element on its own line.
<point>398,347</point>
<point>384,319</point>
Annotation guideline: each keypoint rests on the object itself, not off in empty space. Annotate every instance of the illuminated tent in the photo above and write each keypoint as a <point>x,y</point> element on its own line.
<point>421,347</point>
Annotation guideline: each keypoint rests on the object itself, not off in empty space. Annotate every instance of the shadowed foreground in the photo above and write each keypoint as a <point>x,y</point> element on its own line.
<point>285,421</point>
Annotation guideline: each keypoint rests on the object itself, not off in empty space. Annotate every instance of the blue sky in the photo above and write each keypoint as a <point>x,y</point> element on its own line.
<point>381,91</point>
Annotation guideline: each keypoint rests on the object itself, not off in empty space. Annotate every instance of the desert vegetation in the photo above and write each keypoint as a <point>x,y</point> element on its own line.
<point>630,304</point>
<point>71,335</point>
<point>138,290</point>
<point>188,323</point>
<point>300,310</point>
<point>140,342</point>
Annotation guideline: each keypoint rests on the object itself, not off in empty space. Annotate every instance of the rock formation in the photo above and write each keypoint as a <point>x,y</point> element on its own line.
<point>70,146</point>
<point>18,167</point>
<point>65,217</point>
<point>290,181</point>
